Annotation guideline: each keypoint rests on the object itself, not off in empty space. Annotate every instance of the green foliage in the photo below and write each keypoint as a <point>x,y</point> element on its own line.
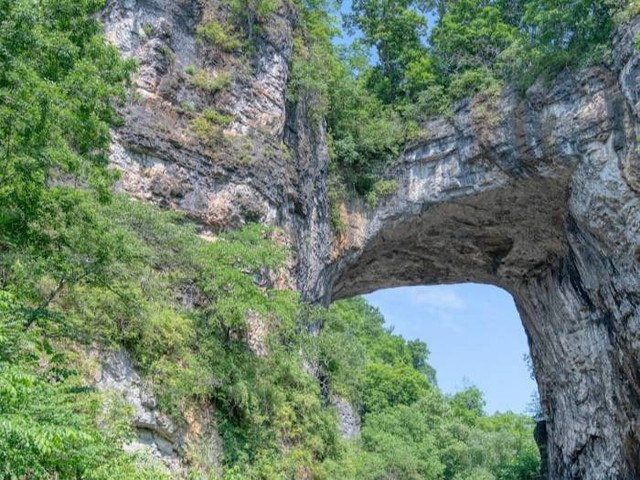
<point>381,189</point>
<point>468,404</point>
<point>209,126</point>
<point>251,14</point>
<point>147,30</point>
<point>202,79</point>
<point>387,386</point>
<point>180,305</point>
<point>428,103</point>
<point>473,81</point>
<point>58,84</point>
<point>189,107</point>
<point>401,442</point>
<point>365,134</point>
<point>410,430</point>
<point>218,35</point>
<point>48,429</point>
<point>629,10</point>
<point>470,35</point>
<point>309,68</point>
<point>571,26</point>
<point>336,194</point>
<point>51,424</point>
<point>395,28</point>
<point>80,267</point>
<point>475,46</point>
<point>184,307</point>
<point>243,26</point>
<point>206,131</point>
<point>217,118</point>
<point>419,355</point>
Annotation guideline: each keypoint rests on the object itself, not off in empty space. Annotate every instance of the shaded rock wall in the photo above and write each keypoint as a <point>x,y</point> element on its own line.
<point>538,195</point>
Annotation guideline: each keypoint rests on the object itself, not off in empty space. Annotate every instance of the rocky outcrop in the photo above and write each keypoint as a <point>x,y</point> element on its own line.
<point>348,417</point>
<point>269,165</point>
<point>538,195</point>
<point>157,435</point>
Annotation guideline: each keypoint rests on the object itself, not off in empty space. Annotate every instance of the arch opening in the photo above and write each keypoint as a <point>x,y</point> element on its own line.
<point>474,335</point>
<point>537,203</point>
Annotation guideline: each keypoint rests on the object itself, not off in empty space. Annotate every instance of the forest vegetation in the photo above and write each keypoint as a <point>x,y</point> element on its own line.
<point>412,60</point>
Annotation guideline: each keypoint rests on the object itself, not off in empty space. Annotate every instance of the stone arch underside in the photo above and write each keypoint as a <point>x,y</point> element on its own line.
<point>540,197</point>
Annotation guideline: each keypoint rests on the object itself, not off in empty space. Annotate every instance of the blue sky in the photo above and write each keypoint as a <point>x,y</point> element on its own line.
<point>474,334</point>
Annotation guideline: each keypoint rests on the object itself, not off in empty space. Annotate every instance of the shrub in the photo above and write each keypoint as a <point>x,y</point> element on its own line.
<point>147,30</point>
<point>206,131</point>
<point>431,102</point>
<point>471,82</point>
<point>336,195</point>
<point>381,189</point>
<point>209,126</point>
<point>189,107</point>
<point>217,118</point>
<point>219,35</point>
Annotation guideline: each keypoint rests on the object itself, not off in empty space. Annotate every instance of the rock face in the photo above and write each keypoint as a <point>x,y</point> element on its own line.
<point>157,435</point>
<point>156,432</point>
<point>271,162</point>
<point>538,195</point>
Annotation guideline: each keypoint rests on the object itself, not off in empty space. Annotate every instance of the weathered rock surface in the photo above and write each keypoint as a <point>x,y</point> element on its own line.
<point>348,418</point>
<point>156,432</point>
<point>538,195</point>
<point>157,435</point>
<point>271,164</point>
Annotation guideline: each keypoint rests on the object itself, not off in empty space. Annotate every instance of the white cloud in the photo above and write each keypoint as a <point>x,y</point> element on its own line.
<point>438,298</point>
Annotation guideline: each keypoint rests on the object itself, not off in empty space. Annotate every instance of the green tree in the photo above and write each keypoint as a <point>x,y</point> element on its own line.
<point>419,356</point>
<point>469,403</point>
<point>471,34</point>
<point>58,83</point>
<point>250,14</point>
<point>467,40</point>
<point>396,29</point>
<point>565,34</point>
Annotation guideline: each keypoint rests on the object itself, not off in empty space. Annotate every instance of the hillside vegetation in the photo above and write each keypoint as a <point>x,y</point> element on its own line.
<point>81,267</point>
<point>414,59</point>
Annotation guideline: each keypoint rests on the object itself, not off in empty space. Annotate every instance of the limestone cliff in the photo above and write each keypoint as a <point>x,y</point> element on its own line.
<point>538,195</point>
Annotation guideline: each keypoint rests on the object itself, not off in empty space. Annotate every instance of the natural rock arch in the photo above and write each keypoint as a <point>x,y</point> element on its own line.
<point>540,197</point>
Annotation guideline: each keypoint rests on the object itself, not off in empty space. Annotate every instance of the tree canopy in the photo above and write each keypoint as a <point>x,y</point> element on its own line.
<point>412,59</point>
